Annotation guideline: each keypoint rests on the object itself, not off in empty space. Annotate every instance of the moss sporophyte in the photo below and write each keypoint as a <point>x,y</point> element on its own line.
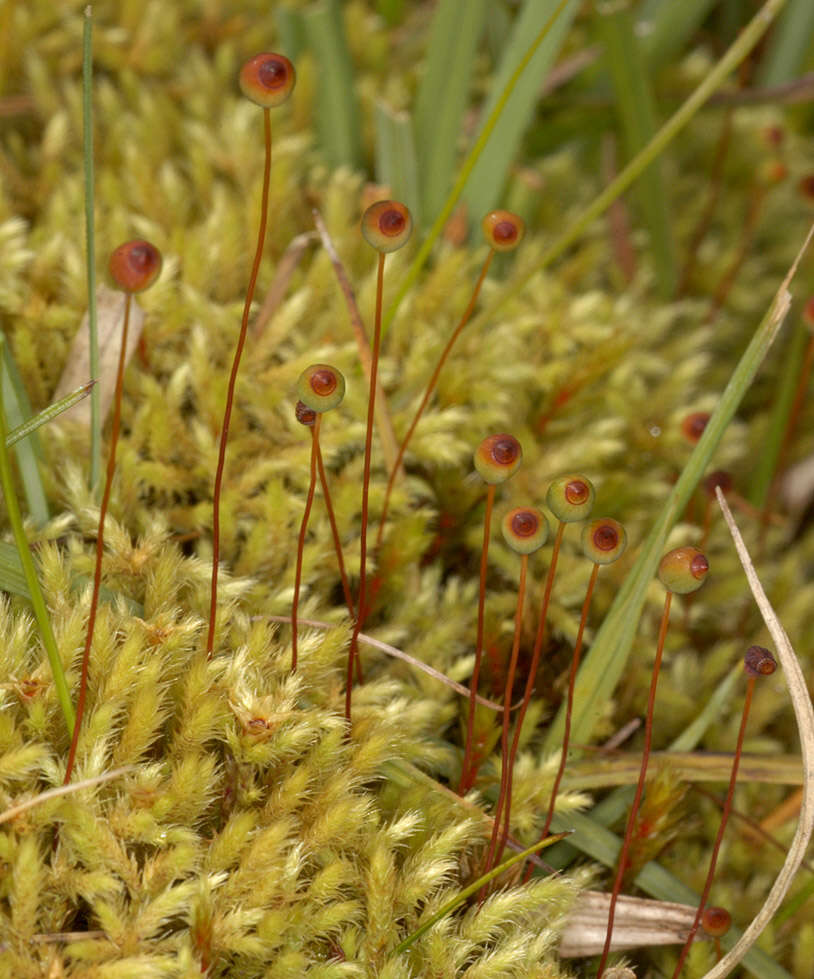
<point>303,710</point>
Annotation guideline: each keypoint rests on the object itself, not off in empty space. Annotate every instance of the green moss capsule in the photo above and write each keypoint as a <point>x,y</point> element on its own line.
<point>321,387</point>
<point>604,540</point>
<point>525,529</point>
<point>135,265</point>
<point>498,457</point>
<point>503,230</point>
<point>571,498</point>
<point>683,570</point>
<point>386,225</point>
<point>267,79</point>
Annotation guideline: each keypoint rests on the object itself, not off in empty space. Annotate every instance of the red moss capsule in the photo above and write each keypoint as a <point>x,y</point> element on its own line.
<point>135,265</point>
<point>720,479</point>
<point>498,457</point>
<point>571,498</point>
<point>386,225</point>
<point>683,570</point>
<point>267,79</point>
<point>525,530</point>
<point>716,922</point>
<point>503,230</point>
<point>604,540</point>
<point>758,661</point>
<point>321,387</point>
<point>692,427</point>
<point>304,414</point>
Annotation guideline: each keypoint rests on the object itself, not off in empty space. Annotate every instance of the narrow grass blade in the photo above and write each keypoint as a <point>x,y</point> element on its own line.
<point>443,95</point>
<point>473,889</point>
<point>24,552</point>
<point>789,45</point>
<point>290,29</point>
<point>636,109</point>
<point>396,164</point>
<point>49,413</point>
<point>90,245</point>
<point>17,409</point>
<point>665,27</point>
<point>605,663</point>
<point>336,107</point>
<point>12,576</point>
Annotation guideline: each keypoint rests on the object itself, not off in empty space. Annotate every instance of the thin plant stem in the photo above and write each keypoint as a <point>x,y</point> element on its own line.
<point>230,393</point>
<point>467,774</point>
<point>100,540</point>
<point>465,317</point>
<point>572,676</point>
<point>634,809</point>
<point>532,674</point>
<point>309,502</point>
<point>750,689</point>
<point>371,404</point>
<point>32,581</point>
<point>90,247</point>
<point>493,855</point>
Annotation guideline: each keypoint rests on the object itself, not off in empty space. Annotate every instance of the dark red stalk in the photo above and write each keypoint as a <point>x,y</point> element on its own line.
<point>467,772</point>
<point>309,501</point>
<point>371,402</point>
<point>631,819</point>
<point>100,541</point>
<point>230,393</point>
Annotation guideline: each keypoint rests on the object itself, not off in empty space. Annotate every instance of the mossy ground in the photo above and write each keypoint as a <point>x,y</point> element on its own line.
<point>251,837</point>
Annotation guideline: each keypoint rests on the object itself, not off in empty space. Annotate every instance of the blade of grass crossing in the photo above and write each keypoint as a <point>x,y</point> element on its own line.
<point>637,113</point>
<point>90,246</point>
<point>396,164</point>
<point>18,410</point>
<point>443,95</point>
<point>27,562</point>
<point>337,112</point>
<point>49,413</point>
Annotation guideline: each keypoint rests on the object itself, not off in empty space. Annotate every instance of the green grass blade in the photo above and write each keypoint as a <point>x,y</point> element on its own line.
<point>473,889</point>
<point>790,44</point>
<point>469,164</point>
<point>636,109</point>
<point>443,95</point>
<point>30,573</point>
<point>666,26</point>
<point>47,414</point>
<point>90,246</point>
<point>12,576</point>
<point>601,844</point>
<point>18,409</point>
<point>489,174</point>
<point>396,164</point>
<point>337,112</point>
<point>605,663</point>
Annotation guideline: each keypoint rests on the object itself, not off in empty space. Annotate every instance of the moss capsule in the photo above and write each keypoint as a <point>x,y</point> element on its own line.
<point>692,426</point>
<point>498,457</point>
<point>683,570</point>
<point>758,661</point>
<point>604,540</point>
<point>304,415</point>
<point>503,230</point>
<point>525,530</point>
<point>716,921</point>
<point>386,225</point>
<point>135,265</point>
<point>321,387</point>
<point>571,498</point>
<point>267,79</point>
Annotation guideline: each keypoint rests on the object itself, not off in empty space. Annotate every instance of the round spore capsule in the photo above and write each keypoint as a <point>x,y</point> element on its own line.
<point>692,426</point>
<point>604,540</point>
<point>267,79</point>
<point>683,570</point>
<point>503,230</point>
<point>304,414</point>
<point>135,265</point>
<point>759,661</point>
<point>321,387</point>
<point>715,921</point>
<point>571,498</point>
<point>498,457</point>
<point>386,225</point>
<point>525,530</point>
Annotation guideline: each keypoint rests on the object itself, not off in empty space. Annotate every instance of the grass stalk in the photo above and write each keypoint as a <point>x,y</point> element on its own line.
<point>90,247</point>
